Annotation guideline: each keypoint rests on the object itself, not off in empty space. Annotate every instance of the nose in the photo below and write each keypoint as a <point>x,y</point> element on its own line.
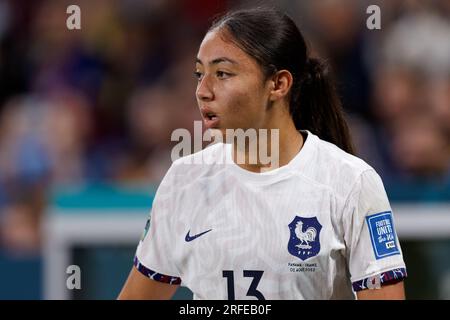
<point>204,90</point>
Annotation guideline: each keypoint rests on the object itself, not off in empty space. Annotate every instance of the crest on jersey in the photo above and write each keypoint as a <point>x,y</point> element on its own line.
<point>304,240</point>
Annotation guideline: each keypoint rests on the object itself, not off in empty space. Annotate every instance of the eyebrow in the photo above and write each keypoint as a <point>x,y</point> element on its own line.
<point>217,60</point>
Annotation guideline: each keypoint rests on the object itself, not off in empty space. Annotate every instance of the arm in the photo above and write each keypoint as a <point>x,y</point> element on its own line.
<point>367,241</point>
<point>394,291</point>
<point>140,287</point>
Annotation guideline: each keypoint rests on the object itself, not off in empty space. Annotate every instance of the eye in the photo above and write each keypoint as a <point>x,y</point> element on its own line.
<point>223,74</point>
<point>198,75</point>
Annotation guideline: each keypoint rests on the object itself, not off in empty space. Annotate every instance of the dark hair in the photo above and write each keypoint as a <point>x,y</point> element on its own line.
<point>273,39</point>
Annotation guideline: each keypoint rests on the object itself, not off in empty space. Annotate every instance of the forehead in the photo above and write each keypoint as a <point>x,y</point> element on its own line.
<point>216,45</point>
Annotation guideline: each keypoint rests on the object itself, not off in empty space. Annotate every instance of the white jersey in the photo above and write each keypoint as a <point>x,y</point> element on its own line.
<point>320,227</point>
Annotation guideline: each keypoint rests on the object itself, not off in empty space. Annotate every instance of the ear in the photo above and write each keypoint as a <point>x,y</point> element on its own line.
<point>280,83</point>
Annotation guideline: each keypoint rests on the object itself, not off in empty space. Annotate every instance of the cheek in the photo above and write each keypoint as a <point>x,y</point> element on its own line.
<point>238,103</point>
<point>243,111</point>
<point>244,103</point>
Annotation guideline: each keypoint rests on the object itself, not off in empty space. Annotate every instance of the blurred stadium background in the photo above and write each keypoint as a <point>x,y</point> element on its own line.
<point>86,117</point>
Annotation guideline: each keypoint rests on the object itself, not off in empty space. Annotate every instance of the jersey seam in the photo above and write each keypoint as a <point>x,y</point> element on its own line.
<point>359,178</point>
<point>347,198</point>
<point>171,226</point>
<point>314,181</point>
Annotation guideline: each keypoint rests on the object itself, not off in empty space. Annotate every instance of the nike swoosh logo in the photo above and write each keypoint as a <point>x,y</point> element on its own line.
<point>190,238</point>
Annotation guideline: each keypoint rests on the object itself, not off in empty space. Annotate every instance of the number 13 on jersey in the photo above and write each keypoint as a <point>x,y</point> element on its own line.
<point>252,290</point>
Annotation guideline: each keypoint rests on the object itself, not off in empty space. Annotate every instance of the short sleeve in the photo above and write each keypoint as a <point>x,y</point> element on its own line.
<point>373,251</point>
<point>153,255</point>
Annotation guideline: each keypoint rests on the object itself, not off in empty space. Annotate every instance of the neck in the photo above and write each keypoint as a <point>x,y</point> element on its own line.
<point>269,151</point>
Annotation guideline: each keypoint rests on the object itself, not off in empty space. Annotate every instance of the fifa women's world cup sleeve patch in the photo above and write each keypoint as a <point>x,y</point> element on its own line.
<point>382,234</point>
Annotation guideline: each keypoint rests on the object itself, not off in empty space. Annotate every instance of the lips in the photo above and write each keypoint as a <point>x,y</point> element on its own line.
<point>210,118</point>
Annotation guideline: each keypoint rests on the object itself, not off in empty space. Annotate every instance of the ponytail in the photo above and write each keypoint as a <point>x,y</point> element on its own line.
<point>273,39</point>
<point>315,106</point>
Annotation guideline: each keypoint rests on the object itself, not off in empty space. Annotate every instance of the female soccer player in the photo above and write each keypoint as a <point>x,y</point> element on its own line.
<point>317,227</point>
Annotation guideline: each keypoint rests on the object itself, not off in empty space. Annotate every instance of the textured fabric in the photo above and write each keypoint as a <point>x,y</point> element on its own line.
<point>296,232</point>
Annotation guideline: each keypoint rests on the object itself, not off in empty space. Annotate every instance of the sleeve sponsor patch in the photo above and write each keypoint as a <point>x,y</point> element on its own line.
<point>382,234</point>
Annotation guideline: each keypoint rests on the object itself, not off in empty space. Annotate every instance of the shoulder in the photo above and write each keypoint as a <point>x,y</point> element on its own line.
<point>337,158</point>
<point>198,164</point>
<point>339,170</point>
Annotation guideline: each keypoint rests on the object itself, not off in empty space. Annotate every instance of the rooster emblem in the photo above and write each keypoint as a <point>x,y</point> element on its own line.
<point>304,237</point>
